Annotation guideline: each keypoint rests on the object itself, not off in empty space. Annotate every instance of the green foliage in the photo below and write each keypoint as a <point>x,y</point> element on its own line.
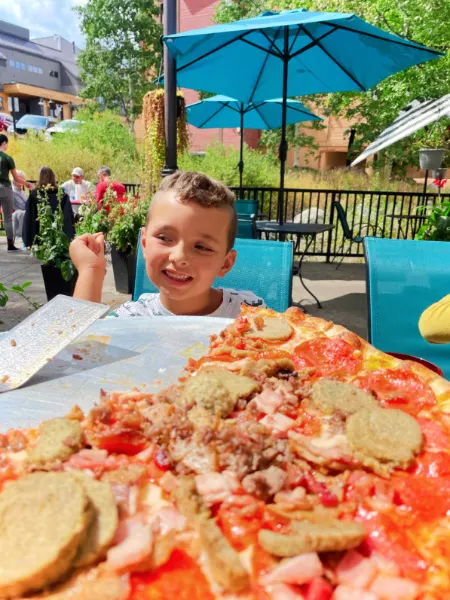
<point>295,137</point>
<point>122,49</point>
<point>437,225</point>
<point>221,163</point>
<point>91,219</point>
<point>436,136</point>
<point>371,112</point>
<point>51,245</point>
<point>126,221</point>
<point>101,140</point>
<point>17,288</point>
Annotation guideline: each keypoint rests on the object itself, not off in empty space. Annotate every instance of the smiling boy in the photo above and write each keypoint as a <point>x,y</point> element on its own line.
<point>187,242</point>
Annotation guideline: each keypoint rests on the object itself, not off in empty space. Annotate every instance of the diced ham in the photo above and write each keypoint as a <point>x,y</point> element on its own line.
<point>268,401</point>
<point>319,589</point>
<point>355,570</point>
<point>344,592</point>
<point>146,454</point>
<point>87,459</point>
<point>134,542</point>
<point>168,519</point>
<point>216,487</point>
<point>169,482</point>
<point>280,591</point>
<point>278,421</point>
<point>121,493</point>
<point>297,570</point>
<point>394,588</point>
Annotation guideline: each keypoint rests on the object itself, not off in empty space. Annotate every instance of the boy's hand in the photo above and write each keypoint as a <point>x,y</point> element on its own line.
<point>88,252</point>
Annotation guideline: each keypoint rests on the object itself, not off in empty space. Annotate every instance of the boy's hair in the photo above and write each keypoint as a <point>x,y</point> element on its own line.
<point>190,186</point>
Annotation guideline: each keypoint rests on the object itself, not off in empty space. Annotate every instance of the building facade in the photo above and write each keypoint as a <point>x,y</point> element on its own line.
<point>38,76</point>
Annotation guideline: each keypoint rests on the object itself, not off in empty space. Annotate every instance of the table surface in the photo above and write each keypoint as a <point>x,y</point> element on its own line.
<point>298,228</point>
<point>116,354</point>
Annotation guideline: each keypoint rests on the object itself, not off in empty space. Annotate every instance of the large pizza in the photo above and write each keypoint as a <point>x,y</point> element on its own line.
<point>293,461</point>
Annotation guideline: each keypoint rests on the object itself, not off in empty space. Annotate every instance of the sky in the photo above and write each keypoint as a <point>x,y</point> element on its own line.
<point>44,17</point>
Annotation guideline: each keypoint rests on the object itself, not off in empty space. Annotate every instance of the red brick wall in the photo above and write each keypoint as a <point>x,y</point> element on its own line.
<point>194,14</point>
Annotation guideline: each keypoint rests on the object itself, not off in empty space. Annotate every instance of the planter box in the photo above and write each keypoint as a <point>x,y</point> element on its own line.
<point>124,269</point>
<point>431,158</point>
<point>55,283</point>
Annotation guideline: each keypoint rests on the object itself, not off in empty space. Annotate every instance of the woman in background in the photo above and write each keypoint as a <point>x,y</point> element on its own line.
<point>46,187</point>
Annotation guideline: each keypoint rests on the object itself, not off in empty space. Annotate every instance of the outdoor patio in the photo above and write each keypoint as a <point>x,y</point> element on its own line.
<point>341,292</point>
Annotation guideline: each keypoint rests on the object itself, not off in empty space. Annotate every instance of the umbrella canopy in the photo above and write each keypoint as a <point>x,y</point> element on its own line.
<point>291,53</point>
<point>416,115</point>
<point>223,112</point>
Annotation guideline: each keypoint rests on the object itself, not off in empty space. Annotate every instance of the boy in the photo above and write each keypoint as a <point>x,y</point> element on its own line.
<point>187,242</point>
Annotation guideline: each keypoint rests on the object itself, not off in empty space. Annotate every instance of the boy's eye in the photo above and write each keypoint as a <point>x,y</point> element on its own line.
<point>203,248</point>
<point>162,237</point>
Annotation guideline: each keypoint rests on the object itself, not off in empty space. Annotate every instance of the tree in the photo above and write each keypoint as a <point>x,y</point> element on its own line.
<point>371,112</point>
<point>123,52</point>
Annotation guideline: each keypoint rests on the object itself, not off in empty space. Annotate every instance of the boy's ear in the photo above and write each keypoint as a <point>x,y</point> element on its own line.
<point>228,264</point>
<point>143,240</point>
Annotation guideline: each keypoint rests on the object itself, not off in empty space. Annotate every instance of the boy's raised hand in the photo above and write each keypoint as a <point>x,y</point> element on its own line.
<point>88,252</point>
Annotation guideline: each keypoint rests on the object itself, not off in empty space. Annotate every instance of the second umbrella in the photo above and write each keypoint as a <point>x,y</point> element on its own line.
<point>224,112</point>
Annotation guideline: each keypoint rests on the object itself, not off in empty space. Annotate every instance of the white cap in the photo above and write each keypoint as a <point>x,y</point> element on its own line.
<point>78,171</point>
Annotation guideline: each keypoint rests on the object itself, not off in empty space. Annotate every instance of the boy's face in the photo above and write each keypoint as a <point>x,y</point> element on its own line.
<point>185,247</point>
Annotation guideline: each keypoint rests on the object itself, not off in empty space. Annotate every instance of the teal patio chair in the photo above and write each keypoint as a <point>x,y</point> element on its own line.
<point>403,278</point>
<point>246,211</point>
<point>262,267</point>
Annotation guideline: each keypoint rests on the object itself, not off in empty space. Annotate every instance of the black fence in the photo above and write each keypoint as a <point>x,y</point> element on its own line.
<point>390,212</point>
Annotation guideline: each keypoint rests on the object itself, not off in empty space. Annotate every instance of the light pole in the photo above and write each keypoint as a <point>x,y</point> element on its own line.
<point>170,91</point>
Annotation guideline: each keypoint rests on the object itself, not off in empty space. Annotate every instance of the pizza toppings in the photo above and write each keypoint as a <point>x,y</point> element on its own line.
<point>313,537</point>
<point>297,570</point>
<point>384,438</point>
<point>331,396</point>
<point>271,329</point>
<point>329,356</point>
<point>266,483</point>
<point>58,439</point>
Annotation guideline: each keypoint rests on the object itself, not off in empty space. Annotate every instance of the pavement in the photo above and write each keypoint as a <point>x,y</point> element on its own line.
<point>342,292</point>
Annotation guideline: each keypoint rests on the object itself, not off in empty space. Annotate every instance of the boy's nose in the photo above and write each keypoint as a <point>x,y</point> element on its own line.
<point>179,255</point>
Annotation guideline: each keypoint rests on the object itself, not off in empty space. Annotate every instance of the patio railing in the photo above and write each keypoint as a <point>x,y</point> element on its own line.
<point>384,209</point>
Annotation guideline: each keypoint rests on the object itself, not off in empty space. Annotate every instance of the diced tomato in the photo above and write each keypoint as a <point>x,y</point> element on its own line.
<point>392,541</point>
<point>326,497</point>
<point>180,577</point>
<point>432,464</point>
<point>318,589</point>
<point>436,435</point>
<point>428,498</point>
<point>239,528</point>
<point>329,356</point>
<point>262,561</point>
<point>129,442</point>
<point>310,425</point>
<point>399,388</point>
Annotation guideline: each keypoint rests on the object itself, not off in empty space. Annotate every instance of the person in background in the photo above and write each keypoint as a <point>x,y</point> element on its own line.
<point>77,189</point>
<point>46,187</point>
<point>104,175</point>
<point>20,202</point>
<point>434,323</point>
<point>8,166</point>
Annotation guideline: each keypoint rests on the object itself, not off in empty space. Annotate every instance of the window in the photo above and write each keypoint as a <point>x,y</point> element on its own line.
<point>23,66</point>
<point>12,63</point>
<point>40,71</point>
<point>17,64</point>
<point>54,74</point>
<point>30,68</point>
<point>34,69</point>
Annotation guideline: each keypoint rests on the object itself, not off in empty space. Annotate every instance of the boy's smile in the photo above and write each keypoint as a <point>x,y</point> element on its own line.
<point>185,248</point>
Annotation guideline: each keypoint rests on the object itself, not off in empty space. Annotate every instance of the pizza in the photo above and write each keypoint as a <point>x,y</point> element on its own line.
<point>293,461</point>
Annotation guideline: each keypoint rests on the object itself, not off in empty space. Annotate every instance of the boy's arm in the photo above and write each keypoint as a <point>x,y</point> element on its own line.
<point>434,323</point>
<point>88,255</point>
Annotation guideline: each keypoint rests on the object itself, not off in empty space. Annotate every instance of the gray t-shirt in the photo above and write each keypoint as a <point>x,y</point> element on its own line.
<point>149,305</point>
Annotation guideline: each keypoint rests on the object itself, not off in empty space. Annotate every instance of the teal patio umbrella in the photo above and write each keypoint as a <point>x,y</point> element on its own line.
<point>225,112</point>
<point>288,54</point>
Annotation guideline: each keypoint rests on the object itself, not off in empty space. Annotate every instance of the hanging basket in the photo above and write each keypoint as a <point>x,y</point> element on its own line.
<point>431,158</point>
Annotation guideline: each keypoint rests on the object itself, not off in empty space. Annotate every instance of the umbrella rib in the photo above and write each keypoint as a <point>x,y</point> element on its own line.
<point>213,115</point>
<point>280,54</point>
<point>349,75</point>
<point>264,120</point>
<point>303,111</point>
<point>277,55</point>
<point>272,42</point>
<point>295,39</point>
<point>312,44</point>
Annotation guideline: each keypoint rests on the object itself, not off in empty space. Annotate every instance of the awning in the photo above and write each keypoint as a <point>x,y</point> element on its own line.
<point>416,115</point>
<point>22,89</point>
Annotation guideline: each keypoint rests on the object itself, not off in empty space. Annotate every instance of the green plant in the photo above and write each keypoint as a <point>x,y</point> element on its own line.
<point>437,226</point>
<point>17,288</point>
<point>91,219</point>
<point>126,221</point>
<point>435,136</point>
<point>51,245</point>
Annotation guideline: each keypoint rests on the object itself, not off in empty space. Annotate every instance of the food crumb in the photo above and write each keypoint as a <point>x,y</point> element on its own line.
<point>73,326</point>
<point>60,332</point>
<point>5,378</point>
<point>33,324</point>
<point>77,357</point>
<point>13,343</point>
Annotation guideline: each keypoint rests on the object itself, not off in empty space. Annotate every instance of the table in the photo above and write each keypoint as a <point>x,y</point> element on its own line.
<point>117,354</point>
<point>306,230</point>
<point>420,219</point>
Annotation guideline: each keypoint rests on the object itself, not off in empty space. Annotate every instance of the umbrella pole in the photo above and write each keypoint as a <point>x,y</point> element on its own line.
<point>241,158</point>
<point>282,154</point>
<point>170,91</point>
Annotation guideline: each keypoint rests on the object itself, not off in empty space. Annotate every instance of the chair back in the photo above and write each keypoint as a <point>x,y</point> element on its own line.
<point>246,228</point>
<point>245,208</point>
<point>262,267</point>
<point>403,278</point>
<point>343,219</point>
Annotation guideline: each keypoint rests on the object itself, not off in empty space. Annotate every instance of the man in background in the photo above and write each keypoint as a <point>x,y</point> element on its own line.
<point>105,183</point>
<point>77,189</point>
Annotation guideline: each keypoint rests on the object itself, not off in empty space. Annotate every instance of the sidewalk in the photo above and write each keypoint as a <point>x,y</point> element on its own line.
<point>342,292</point>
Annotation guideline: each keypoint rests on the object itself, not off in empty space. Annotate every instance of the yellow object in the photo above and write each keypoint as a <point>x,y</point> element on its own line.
<point>434,323</point>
